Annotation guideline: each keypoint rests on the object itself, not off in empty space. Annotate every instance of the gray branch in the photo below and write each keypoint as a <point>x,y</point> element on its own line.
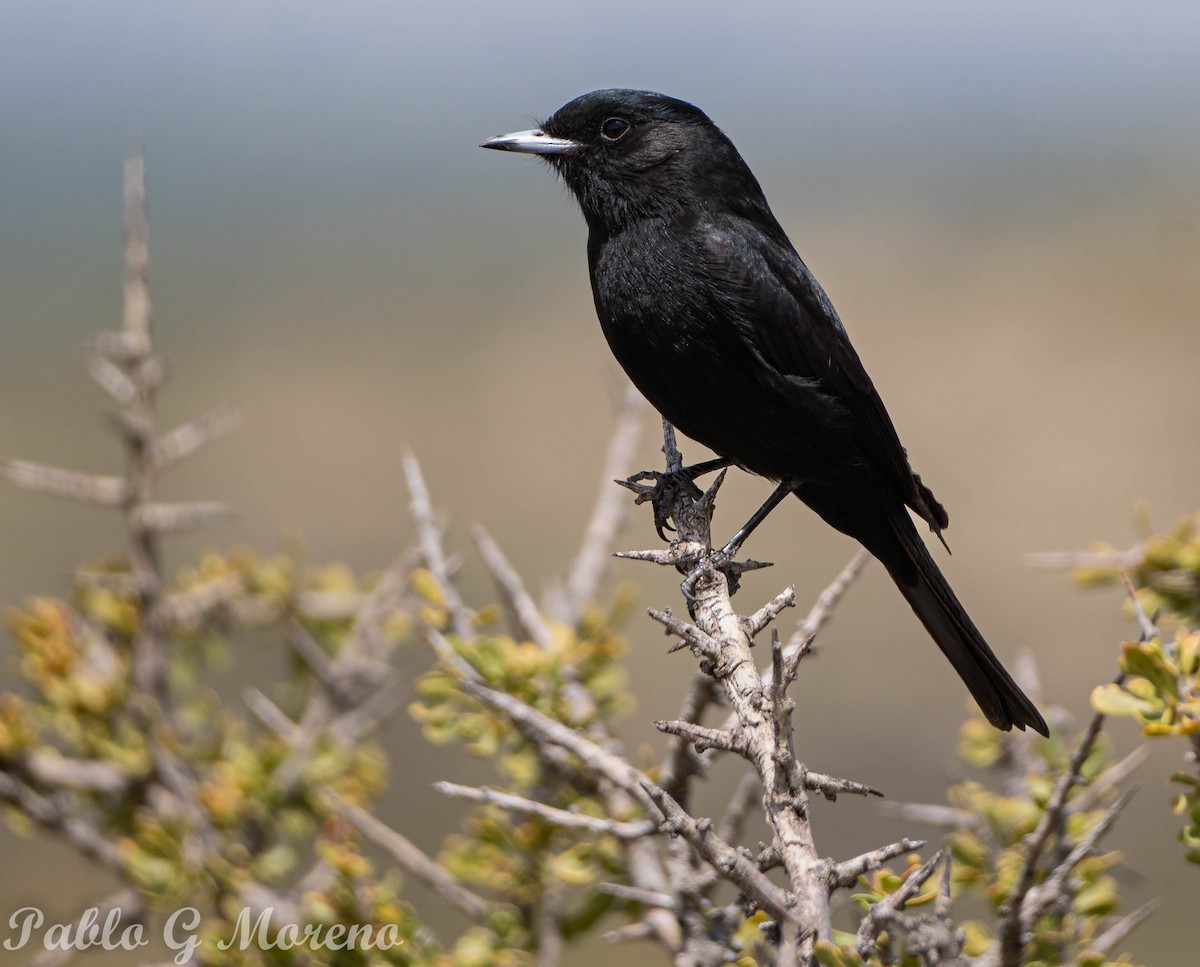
<point>462,622</point>
<point>550,814</point>
<point>733,865</point>
<point>404,852</point>
<point>847,873</point>
<point>528,618</point>
<point>185,440</point>
<point>1010,939</point>
<point>887,911</point>
<point>56,482</point>
<point>583,581</point>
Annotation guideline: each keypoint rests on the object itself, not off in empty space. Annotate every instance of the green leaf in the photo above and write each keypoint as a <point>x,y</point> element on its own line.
<point>1114,700</point>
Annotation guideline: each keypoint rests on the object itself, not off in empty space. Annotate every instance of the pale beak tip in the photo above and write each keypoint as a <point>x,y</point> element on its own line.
<point>531,142</point>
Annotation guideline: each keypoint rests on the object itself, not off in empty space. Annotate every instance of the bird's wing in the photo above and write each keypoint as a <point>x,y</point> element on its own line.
<point>790,321</point>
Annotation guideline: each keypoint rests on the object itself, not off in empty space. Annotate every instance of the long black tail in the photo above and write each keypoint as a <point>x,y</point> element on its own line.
<point>922,584</point>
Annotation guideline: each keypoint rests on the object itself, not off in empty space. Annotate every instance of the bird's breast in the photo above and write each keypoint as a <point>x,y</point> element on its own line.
<point>657,311</point>
<point>673,329</point>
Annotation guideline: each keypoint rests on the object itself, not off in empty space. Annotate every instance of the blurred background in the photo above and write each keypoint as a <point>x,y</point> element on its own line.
<point>1000,199</point>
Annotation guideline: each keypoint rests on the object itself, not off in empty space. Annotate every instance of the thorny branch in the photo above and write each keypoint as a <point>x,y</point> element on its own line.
<point>759,726</point>
<point>68,796</point>
<point>126,367</point>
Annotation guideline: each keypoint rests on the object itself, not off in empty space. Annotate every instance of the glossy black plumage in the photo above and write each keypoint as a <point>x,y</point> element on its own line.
<point>719,323</point>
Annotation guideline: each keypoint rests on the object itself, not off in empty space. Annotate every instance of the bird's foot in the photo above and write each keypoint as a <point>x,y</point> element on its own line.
<point>662,488</point>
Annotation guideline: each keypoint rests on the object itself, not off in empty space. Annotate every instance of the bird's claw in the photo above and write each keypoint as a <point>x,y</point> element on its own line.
<point>662,492</point>
<point>688,588</point>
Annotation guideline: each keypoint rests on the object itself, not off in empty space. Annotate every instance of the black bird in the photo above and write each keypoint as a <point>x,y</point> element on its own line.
<point>721,326</point>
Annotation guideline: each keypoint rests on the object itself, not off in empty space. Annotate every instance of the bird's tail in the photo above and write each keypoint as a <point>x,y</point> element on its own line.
<point>927,591</point>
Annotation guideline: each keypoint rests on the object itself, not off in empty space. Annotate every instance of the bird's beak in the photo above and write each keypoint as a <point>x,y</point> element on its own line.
<point>531,142</point>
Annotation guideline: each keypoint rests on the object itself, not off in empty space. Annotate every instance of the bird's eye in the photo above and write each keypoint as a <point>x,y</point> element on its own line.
<point>614,129</point>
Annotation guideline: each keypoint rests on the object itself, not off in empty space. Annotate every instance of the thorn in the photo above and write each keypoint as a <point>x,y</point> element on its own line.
<point>181,516</point>
<point>56,482</point>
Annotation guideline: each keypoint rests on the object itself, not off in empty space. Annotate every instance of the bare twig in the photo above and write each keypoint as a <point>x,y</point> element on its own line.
<point>185,440</point>
<point>548,921</point>
<point>934,814</point>
<point>385,599</point>
<point>112,379</point>
<point>430,539</point>
<point>825,605</point>
<point>886,911</point>
<point>190,608</point>
<point>268,713</point>
<point>1146,627</point>
<point>137,255</point>
<point>550,814</point>
<point>731,864</point>
<point>402,850</point>
<point>369,715</point>
<point>57,816</point>
<point>647,898</point>
<point>703,642</point>
<point>529,620</point>
<point>703,738</point>
<point>683,762</point>
<point>89,775</point>
<point>56,482</point>
<point>1010,934</point>
<point>631,931</point>
<point>653,556</point>
<point>543,730</point>
<point>831,787</point>
<point>152,518</point>
<point>1110,778</point>
<point>583,580</point>
<point>1052,889</point>
<point>770,611</point>
<point>847,873</point>
<point>1125,926</point>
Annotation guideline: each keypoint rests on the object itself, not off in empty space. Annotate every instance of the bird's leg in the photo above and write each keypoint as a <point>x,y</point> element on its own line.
<point>785,488</point>
<point>706,466</point>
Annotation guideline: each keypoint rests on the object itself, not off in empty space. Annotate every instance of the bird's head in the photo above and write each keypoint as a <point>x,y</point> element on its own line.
<point>628,155</point>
